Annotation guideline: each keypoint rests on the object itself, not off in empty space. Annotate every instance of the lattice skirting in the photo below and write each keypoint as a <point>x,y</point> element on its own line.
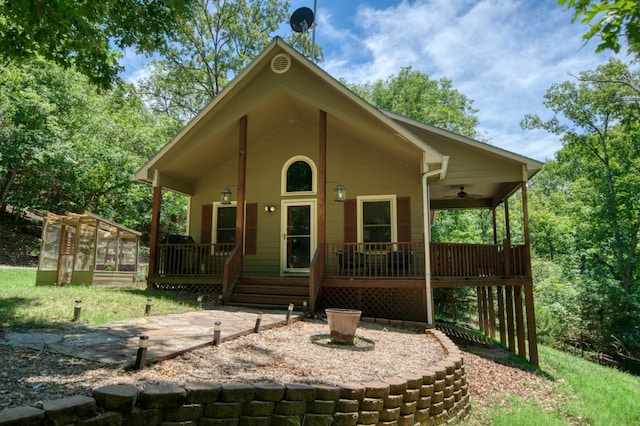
<point>195,288</point>
<point>389,303</point>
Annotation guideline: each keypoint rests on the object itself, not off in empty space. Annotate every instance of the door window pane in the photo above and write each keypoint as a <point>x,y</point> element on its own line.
<point>298,236</point>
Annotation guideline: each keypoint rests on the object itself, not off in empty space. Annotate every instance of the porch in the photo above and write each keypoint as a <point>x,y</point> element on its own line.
<point>385,280</point>
<point>386,263</point>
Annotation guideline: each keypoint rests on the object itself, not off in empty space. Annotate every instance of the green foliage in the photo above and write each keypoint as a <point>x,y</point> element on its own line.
<point>463,226</point>
<point>64,146</point>
<point>585,213</point>
<point>414,95</point>
<point>610,20</point>
<point>215,42</point>
<point>80,34</point>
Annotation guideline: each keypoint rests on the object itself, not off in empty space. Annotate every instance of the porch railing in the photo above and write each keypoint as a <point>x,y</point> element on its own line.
<point>191,259</point>
<point>232,271</point>
<point>406,260</point>
<point>315,276</point>
<point>374,260</point>
<point>397,260</point>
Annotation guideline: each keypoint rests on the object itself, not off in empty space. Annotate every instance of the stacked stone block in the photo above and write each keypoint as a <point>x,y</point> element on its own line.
<point>436,395</point>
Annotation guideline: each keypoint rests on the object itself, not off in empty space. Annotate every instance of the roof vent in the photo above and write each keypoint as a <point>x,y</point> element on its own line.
<point>280,63</point>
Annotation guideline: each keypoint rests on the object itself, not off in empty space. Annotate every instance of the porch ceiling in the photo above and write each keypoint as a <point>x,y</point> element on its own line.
<point>485,173</point>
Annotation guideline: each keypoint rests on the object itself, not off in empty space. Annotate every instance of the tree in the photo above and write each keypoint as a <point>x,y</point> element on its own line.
<point>600,160</point>
<point>215,42</point>
<point>550,218</point>
<point>594,187</point>
<point>65,146</point>
<point>611,21</point>
<point>81,33</point>
<point>414,95</point>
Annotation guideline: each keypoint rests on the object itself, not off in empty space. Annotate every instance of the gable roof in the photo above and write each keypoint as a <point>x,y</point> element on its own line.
<point>204,142</point>
<point>240,86</point>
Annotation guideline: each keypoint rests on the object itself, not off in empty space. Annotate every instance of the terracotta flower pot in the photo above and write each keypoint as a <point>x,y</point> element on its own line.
<point>343,324</point>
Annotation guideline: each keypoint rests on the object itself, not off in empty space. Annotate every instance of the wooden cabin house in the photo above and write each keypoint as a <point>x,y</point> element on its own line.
<point>300,191</point>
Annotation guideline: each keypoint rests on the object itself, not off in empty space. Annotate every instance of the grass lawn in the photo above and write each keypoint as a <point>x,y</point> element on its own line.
<point>23,305</point>
<point>586,394</point>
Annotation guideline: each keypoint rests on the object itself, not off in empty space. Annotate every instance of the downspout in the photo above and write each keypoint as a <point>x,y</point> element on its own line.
<point>427,237</point>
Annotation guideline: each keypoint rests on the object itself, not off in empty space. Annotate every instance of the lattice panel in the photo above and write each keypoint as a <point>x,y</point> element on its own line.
<point>196,288</point>
<point>388,303</point>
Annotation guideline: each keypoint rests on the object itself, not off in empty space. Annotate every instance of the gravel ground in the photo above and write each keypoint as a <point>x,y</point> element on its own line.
<point>283,355</point>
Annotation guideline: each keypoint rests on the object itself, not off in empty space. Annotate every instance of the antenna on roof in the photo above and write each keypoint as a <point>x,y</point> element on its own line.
<point>303,20</point>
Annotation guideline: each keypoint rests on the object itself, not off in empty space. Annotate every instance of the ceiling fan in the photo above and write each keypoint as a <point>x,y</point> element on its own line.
<point>463,195</point>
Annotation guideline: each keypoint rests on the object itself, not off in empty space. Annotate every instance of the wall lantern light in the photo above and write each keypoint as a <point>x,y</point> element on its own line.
<point>225,195</point>
<point>341,193</point>
<point>269,209</point>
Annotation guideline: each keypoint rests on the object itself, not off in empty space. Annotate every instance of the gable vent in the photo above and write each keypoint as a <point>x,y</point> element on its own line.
<point>280,63</point>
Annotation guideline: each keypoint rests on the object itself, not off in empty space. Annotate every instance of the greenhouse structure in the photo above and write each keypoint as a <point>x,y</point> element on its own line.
<point>87,249</point>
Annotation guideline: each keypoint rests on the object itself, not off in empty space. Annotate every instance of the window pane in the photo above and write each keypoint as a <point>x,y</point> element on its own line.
<point>127,252</point>
<point>376,213</point>
<point>377,234</point>
<point>226,225</point>
<point>49,255</point>
<point>376,221</point>
<point>299,177</point>
<point>226,217</point>
<point>86,247</point>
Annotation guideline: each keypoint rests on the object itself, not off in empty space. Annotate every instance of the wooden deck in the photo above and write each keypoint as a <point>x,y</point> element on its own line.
<point>384,280</point>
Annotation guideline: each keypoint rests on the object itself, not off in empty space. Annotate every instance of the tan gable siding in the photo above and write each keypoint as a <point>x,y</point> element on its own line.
<point>365,168</point>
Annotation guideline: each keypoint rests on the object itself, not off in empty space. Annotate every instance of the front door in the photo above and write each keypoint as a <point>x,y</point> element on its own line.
<point>298,235</point>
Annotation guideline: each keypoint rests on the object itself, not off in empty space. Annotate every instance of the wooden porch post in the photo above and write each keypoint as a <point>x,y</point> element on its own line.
<point>507,271</point>
<point>510,324</point>
<point>499,293</point>
<point>242,174</point>
<point>156,208</point>
<point>322,183</point>
<point>517,299</point>
<point>480,309</point>
<point>485,310</point>
<point>503,336</point>
<point>528,288</point>
<point>492,313</point>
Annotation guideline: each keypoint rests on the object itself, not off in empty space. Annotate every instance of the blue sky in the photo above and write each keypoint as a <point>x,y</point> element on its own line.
<point>502,54</point>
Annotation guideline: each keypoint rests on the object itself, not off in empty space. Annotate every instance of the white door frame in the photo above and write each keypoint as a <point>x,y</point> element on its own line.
<point>312,203</point>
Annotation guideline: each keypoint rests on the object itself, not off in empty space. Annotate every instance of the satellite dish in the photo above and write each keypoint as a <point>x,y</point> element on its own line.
<point>301,20</point>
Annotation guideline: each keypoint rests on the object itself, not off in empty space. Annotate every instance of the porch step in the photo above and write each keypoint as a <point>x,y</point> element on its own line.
<point>270,293</point>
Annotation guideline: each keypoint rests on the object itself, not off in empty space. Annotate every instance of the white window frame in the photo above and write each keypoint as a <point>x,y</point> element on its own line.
<point>214,226</point>
<point>314,177</point>
<point>394,216</point>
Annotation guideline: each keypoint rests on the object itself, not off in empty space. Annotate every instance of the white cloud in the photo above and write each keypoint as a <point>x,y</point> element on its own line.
<point>135,65</point>
<point>502,54</point>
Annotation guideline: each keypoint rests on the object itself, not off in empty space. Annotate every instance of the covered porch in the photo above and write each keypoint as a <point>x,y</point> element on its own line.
<point>384,280</point>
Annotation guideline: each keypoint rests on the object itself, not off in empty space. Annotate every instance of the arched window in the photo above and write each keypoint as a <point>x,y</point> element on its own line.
<point>299,176</point>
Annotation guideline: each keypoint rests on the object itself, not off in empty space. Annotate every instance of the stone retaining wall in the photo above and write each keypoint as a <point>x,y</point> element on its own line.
<point>435,395</point>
